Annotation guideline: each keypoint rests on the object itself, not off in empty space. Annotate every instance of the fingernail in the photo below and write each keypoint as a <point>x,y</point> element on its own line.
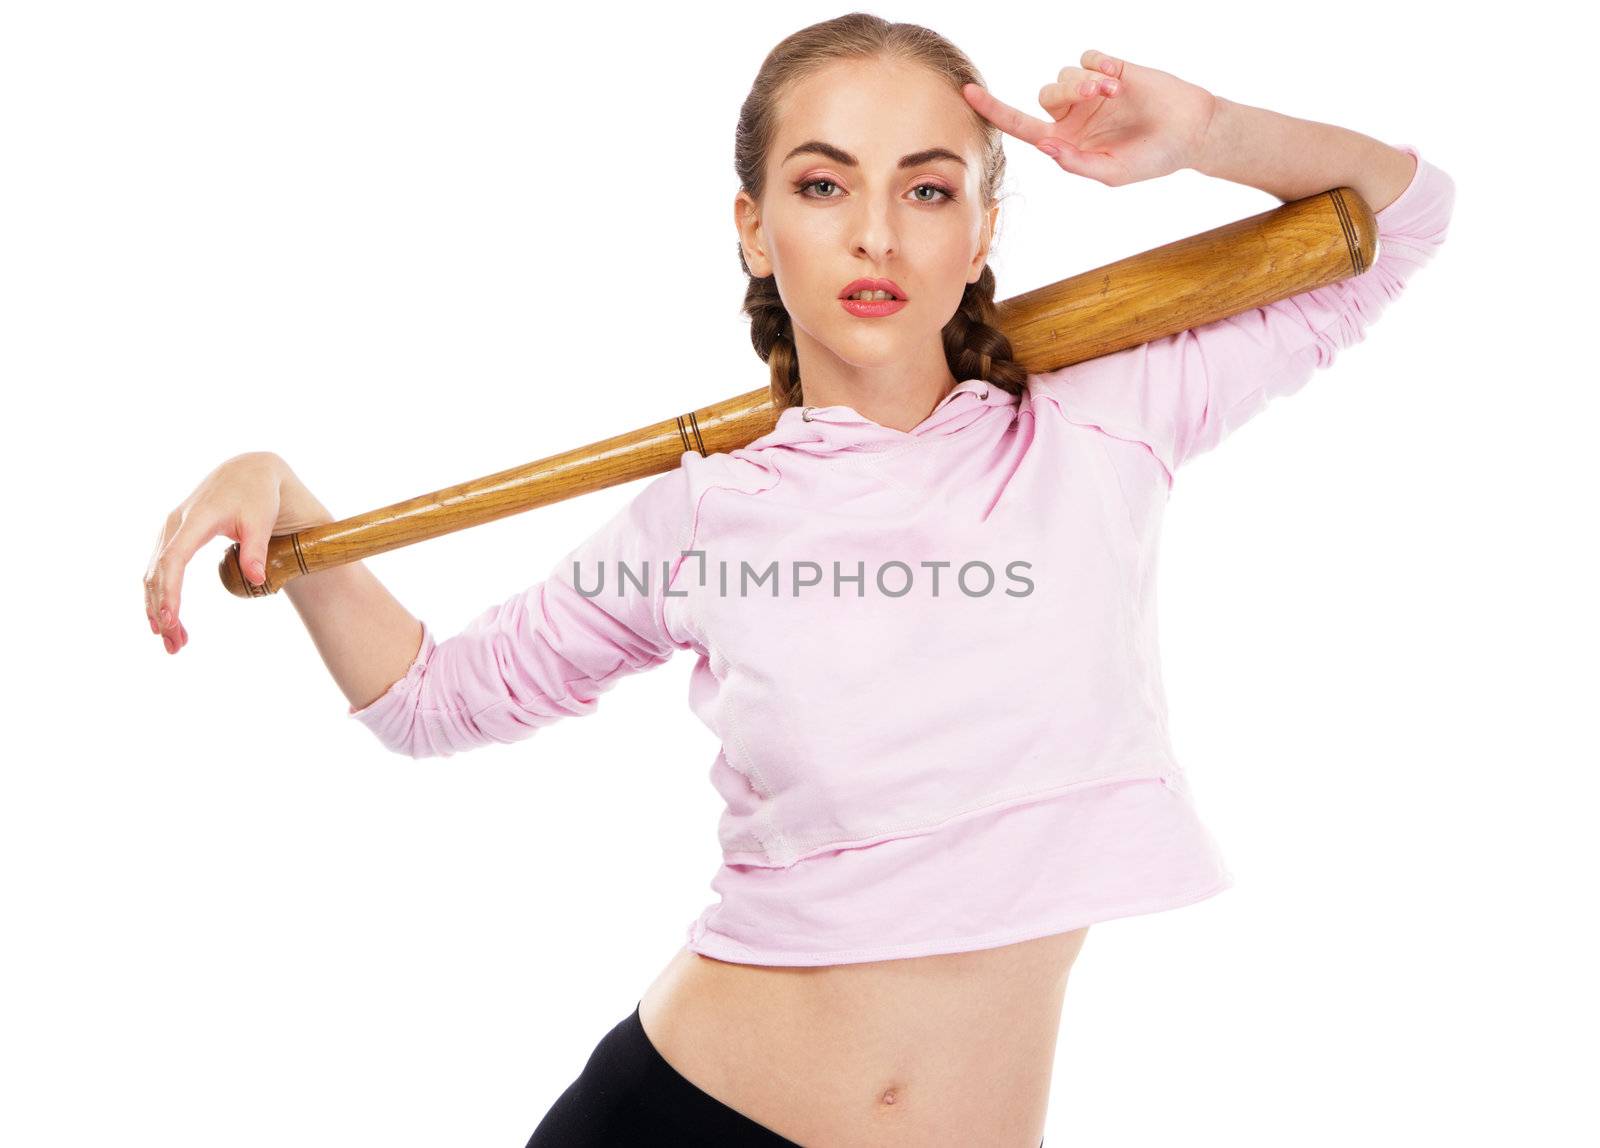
<point>1050,150</point>
<point>166,617</point>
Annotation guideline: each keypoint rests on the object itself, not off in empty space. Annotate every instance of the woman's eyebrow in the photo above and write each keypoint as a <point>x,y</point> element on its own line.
<point>840,156</point>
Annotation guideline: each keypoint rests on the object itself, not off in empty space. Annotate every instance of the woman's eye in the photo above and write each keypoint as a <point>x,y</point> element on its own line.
<point>814,183</point>
<point>809,184</point>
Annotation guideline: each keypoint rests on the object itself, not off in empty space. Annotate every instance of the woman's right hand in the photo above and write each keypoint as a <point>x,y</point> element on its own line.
<point>249,498</point>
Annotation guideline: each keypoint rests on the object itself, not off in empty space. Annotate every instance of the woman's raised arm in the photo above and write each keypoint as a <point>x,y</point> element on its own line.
<point>1182,394</point>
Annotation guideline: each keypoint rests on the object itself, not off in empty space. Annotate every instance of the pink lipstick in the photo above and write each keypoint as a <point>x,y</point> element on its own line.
<point>872,308</point>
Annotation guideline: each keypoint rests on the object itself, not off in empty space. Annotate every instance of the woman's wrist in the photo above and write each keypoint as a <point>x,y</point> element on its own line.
<point>298,508</point>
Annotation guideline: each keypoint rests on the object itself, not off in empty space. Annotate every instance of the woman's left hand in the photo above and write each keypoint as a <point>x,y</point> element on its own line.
<point>1111,120</point>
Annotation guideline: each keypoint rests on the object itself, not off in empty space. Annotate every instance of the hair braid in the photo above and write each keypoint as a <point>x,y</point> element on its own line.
<point>974,347</point>
<point>772,335</point>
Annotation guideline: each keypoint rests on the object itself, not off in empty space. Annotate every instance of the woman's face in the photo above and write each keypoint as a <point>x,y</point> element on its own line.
<point>841,203</point>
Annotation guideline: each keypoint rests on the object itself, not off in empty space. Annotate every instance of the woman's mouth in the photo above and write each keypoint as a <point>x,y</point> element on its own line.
<point>872,298</point>
<point>871,304</point>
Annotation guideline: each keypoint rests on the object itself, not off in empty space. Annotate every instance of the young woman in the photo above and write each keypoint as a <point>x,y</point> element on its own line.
<point>922,605</point>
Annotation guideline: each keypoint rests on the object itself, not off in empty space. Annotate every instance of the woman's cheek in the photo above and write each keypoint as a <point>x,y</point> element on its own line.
<point>800,271</point>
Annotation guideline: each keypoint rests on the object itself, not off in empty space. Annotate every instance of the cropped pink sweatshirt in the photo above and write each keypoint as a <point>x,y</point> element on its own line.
<point>929,656</point>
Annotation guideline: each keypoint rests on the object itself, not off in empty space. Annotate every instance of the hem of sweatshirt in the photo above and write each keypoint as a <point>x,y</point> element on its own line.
<point>1430,192</point>
<point>1123,848</point>
<point>724,948</point>
<point>374,712</point>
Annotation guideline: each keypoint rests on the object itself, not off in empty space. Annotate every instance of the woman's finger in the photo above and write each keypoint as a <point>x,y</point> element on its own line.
<point>1059,99</point>
<point>150,579</point>
<point>1101,62</point>
<point>1092,164</point>
<point>1080,83</point>
<point>153,596</point>
<point>193,531</point>
<point>1005,117</point>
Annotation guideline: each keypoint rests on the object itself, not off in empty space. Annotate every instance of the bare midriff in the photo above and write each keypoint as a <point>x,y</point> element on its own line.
<point>950,1049</point>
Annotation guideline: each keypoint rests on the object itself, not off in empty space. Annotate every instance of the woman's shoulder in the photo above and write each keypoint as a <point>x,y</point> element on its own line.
<point>675,495</point>
<point>745,471</point>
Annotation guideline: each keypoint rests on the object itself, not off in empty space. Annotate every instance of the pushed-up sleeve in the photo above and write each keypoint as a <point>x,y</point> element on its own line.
<point>549,651</point>
<point>1182,394</point>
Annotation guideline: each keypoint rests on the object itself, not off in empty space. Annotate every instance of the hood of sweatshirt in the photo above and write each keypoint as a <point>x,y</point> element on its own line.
<point>839,428</point>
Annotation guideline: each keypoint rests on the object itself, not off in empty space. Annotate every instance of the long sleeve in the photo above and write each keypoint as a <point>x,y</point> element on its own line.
<point>549,651</point>
<point>1182,394</point>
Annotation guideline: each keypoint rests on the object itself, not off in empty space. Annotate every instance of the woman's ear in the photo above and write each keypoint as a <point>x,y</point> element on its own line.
<point>747,219</point>
<point>985,241</point>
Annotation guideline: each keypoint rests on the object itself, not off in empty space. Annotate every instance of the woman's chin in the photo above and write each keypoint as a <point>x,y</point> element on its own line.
<point>863,346</point>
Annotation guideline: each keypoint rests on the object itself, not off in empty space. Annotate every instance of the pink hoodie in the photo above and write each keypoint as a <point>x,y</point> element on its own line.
<point>930,656</point>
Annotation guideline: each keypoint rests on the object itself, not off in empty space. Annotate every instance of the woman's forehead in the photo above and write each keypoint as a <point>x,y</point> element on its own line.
<point>875,112</point>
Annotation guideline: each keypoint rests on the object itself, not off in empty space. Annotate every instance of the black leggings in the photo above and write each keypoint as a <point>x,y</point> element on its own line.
<point>627,1095</point>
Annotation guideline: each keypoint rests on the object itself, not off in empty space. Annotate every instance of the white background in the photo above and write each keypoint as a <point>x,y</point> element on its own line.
<point>406,245</point>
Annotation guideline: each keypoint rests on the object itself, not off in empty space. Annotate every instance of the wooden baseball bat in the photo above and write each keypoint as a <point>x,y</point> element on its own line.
<point>1286,250</point>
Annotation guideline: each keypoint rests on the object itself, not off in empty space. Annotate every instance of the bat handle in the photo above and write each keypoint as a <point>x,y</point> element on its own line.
<point>285,562</point>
